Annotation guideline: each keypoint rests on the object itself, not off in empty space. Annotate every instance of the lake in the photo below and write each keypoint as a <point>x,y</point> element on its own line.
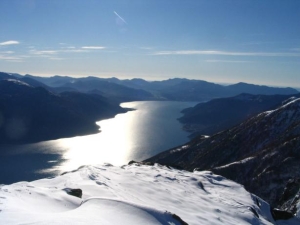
<point>136,135</point>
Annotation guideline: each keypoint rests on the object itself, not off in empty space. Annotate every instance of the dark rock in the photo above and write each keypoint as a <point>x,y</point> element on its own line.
<point>253,211</point>
<point>257,202</point>
<point>140,163</point>
<point>281,215</point>
<point>74,192</point>
<point>179,219</point>
<point>132,162</point>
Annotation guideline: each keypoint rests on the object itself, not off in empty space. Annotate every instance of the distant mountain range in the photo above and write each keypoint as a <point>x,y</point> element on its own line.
<point>176,89</point>
<point>262,153</point>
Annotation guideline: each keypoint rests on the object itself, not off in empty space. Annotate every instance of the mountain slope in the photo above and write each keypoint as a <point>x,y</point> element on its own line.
<point>30,114</point>
<point>262,153</point>
<point>134,194</point>
<point>219,114</point>
<point>110,90</point>
<point>4,76</point>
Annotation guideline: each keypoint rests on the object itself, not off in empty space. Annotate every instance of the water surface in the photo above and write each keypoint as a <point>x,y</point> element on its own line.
<point>136,135</point>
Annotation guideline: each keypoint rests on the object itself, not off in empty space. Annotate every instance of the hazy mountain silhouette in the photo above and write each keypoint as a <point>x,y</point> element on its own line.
<point>4,76</point>
<point>182,89</point>
<point>259,89</point>
<point>109,89</point>
<point>176,89</point>
<point>54,81</point>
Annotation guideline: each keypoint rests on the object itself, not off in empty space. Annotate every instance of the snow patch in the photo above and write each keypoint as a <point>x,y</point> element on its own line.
<point>18,82</point>
<point>180,149</point>
<point>235,163</point>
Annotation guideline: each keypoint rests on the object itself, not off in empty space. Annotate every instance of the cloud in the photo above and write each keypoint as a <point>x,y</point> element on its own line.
<point>9,43</point>
<point>93,47</point>
<point>51,53</point>
<point>227,61</point>
<point>120,20</point>
<point>146,48</point>
<point>69,47</point>
<point>75,50</point>
<point>56,58</point>
<point>43,52</point>
<point>10,58</point>
<point>224,53</point>
<point>295,49</point>
<point>7,52</point>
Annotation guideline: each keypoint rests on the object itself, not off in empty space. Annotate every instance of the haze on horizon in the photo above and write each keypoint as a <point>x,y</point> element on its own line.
<point>223,41</point>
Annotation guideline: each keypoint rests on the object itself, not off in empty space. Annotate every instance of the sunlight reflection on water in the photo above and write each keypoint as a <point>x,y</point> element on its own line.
<point>111,145</point>
<point>135,135</point>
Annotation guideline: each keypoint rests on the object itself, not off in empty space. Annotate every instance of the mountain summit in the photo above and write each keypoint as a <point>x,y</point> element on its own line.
<point>135,194</point>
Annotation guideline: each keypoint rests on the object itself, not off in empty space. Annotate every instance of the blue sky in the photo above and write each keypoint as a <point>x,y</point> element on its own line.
<point>255,41</point>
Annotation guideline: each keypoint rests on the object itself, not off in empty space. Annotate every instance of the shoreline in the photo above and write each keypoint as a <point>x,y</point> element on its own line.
<point>89,128</point>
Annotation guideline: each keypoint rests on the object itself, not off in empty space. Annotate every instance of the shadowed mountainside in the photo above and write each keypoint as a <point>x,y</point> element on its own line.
<point>219,114</point>
<point>262,153</point>
<point>31,114</point>
<point>111,90</point>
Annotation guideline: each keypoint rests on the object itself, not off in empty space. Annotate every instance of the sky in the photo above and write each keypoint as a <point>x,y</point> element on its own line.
<point>223,41</point>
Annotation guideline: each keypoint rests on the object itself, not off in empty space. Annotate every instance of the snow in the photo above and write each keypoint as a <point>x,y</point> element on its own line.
<point>236,163</point>
<point>180,148</point>
<point>133,194</point>
<point>291,102</point>
<point>18,82</point>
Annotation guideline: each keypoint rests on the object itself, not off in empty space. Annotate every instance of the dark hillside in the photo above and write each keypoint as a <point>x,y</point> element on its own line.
<point>31,114</point>
<point>219,114</point>
<point>262,153</point>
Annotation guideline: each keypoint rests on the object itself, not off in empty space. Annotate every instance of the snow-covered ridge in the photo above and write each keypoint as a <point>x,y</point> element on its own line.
<point>15,81</point>
<point>293,101</point>
<point>134,194</point>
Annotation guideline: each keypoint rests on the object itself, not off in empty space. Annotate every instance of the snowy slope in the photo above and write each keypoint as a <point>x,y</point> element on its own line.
<point>134,194</point>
